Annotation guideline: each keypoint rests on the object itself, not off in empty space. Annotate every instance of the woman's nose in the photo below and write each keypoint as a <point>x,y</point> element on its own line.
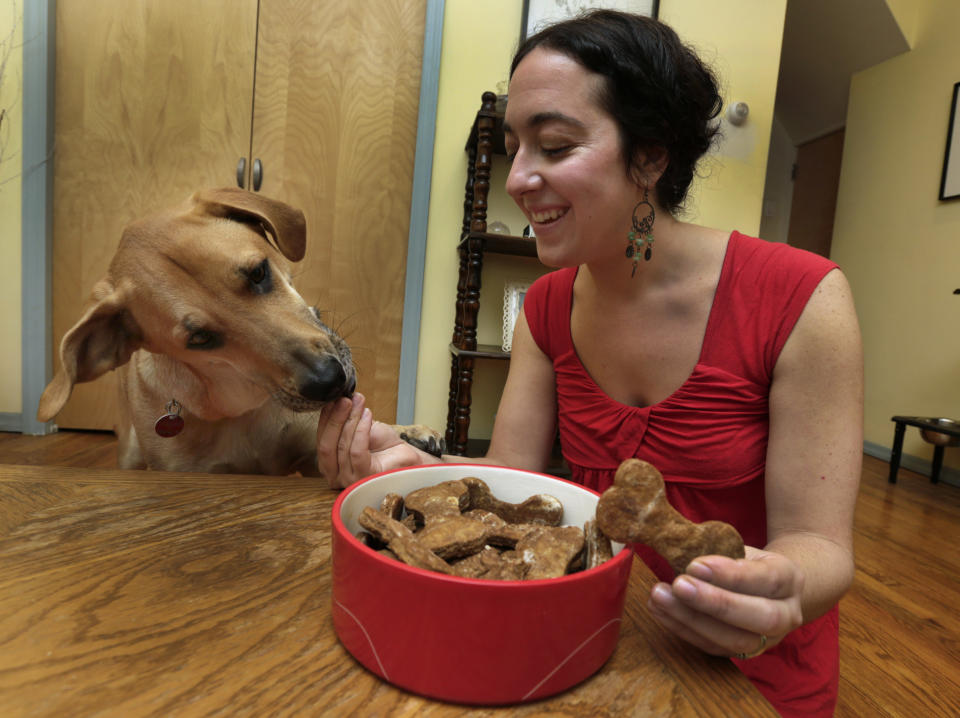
<point>523,177</point>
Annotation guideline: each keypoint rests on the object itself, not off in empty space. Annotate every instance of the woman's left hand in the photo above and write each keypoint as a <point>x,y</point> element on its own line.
<point>729,607</point>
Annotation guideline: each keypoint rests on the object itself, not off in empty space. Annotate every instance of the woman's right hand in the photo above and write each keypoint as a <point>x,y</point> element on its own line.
<point>352,446</point>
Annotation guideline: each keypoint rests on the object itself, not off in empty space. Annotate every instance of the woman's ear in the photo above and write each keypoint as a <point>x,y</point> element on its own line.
<point>649,164</point>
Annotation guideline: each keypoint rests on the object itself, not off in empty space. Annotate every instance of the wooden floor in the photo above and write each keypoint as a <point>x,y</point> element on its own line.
<point>899,624</point>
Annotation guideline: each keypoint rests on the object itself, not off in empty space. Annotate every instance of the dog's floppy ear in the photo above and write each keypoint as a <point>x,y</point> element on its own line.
<point>102,340</point>
<point>286,224</point>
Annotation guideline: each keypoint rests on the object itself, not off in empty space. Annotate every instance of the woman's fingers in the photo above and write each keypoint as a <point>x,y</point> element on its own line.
<point>706,608</point>
<point>724,605</point>
<point>757,595</point>
<point>352,446</point>
<point>343,454</point>
<point>360,459</point>
<point>704,632</point>
<point>761,574</point>
<point>329,426</point>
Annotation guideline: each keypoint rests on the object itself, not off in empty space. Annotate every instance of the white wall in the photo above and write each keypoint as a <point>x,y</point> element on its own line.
<point>778,189</point>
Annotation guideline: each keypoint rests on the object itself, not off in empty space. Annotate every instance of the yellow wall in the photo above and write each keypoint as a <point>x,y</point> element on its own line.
<point>11,141</point>
<point>907,14</point>
<point>731,35</point>
<point>478,42</point>
<point>898,244</point>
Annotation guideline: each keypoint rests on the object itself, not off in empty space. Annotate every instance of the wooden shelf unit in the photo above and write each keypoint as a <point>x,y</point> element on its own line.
<point>485,140</point>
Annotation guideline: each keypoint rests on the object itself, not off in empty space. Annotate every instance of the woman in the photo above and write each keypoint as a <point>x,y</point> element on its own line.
<point>730,363</point>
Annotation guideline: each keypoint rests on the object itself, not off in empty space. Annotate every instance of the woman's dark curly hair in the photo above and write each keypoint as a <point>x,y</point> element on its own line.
<point>658,91</point>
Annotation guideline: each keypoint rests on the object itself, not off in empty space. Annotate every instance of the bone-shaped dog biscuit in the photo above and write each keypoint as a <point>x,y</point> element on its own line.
<point>549,550</point>
<point>474,565</point>
<point>635,510</point>
<point>392,506</point>
<point>505,566</point>
<point>401,541</point>
<point>453,536</point>
<point>499,532</point>
<point>445,531</point>
<point>598,548</point>
<point>538,509</point>
<point>448,498</point>
<point>491,564</point>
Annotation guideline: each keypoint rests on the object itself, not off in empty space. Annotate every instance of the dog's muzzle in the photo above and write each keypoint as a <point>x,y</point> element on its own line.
<point>326,380</point>
<point>321,380</point>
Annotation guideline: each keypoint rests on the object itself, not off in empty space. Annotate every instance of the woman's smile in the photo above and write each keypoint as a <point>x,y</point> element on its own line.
<point>548,215</point>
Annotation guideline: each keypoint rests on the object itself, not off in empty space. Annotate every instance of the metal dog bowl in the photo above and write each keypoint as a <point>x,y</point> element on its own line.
<point>938,438</point>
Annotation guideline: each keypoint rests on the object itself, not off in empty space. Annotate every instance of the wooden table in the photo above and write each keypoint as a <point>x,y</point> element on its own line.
<point>171,594</point>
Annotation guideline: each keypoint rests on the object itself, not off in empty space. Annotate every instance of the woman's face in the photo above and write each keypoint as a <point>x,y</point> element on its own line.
<point>567,172</point>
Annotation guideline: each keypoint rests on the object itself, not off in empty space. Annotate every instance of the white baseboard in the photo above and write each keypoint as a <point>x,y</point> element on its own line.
<point>14,422</point>
<point>11,422</point>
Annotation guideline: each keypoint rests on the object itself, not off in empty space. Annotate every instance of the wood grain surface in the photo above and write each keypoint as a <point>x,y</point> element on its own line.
<point>899,624</point>
<point>162,594</point>
<point>159,98</point>
<point>335,124</point>
<point>153,102</point>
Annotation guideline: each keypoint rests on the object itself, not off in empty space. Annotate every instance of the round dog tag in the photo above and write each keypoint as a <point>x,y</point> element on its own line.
<point>171,423</point>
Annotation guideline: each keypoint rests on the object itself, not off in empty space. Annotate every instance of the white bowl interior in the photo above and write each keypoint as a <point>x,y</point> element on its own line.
<point>512,485</point>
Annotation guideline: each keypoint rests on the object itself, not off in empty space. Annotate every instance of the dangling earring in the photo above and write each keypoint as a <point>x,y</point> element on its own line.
<point>641,233</point>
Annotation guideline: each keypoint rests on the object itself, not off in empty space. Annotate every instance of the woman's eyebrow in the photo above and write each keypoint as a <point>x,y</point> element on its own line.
<point>542,118</point>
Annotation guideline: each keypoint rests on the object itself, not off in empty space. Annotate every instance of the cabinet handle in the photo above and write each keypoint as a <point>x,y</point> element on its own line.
<point>257,174</point>
<point>241,172</point>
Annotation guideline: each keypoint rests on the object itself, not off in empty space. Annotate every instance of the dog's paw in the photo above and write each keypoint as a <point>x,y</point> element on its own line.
<point>423,438</point>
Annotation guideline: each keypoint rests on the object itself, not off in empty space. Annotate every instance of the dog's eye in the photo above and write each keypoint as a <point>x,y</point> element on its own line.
<point>203,339</point>
<point>259,278</point>
<point>258,274</point>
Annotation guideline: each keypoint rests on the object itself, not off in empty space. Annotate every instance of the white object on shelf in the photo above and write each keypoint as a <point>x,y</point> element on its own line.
<point>513,295</point>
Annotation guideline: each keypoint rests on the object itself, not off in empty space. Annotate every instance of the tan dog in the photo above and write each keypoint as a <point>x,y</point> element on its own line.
<point>199,316</point>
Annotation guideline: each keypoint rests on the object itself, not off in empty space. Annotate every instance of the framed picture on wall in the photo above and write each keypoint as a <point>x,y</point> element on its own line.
<point>513,295</point>
<point>538,14</point>
<point>950,180</point>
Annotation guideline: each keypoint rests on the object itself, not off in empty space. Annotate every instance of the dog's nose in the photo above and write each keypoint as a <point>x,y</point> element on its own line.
<point>350,388</point>
<point>326,380</point>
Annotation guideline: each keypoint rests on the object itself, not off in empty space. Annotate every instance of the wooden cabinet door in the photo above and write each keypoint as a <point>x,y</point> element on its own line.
<point>334,125</point>
<point>153,101</point>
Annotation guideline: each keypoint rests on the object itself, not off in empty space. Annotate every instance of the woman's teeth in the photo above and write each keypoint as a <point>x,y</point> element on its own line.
<point>547,215</point>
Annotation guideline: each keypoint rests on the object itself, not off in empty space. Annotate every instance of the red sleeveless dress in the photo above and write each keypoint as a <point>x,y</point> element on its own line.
<point>709,438</point>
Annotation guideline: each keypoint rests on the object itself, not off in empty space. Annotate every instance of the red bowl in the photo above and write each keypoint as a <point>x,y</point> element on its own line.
<point>473,641</point>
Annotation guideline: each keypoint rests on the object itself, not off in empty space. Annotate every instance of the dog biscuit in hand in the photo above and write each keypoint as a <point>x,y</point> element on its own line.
<point>635,510</point>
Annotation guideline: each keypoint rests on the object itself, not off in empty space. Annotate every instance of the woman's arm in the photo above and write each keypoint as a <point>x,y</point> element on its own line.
<point>351,445</point>
<point>526,423</point>
<point>812,476</point>
<point>815,451</point>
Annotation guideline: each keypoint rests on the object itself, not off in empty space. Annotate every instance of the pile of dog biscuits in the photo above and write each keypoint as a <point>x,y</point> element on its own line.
<point>459,528</point>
